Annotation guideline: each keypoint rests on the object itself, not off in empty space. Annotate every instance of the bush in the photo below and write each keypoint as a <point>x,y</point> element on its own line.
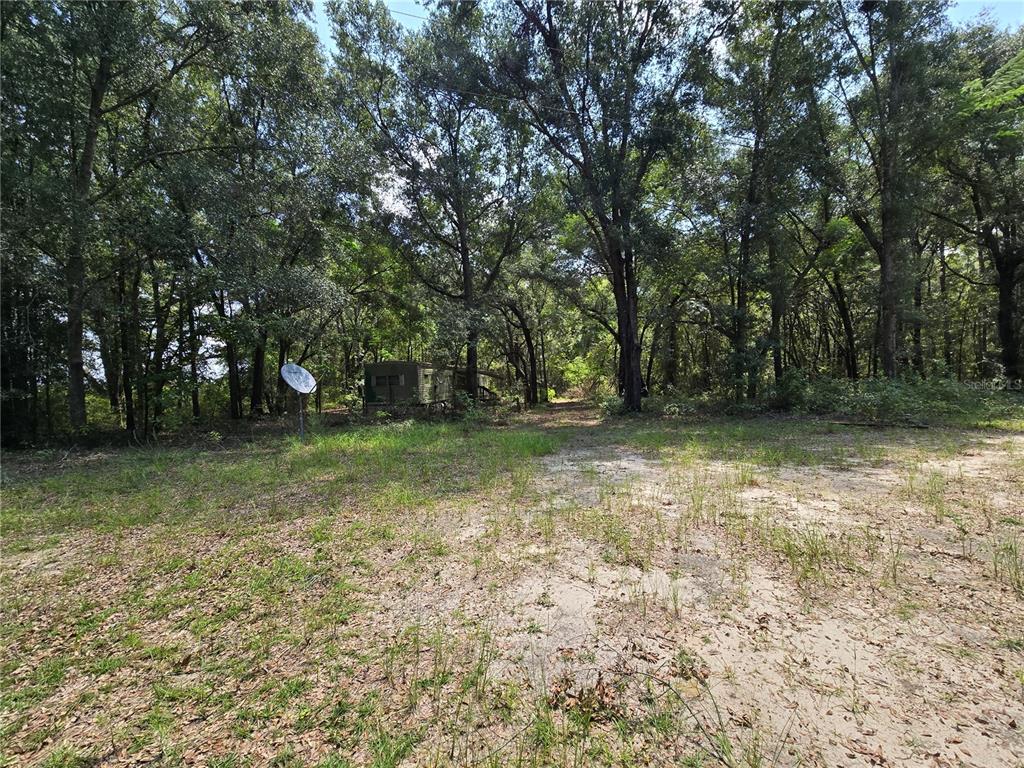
<point>611,405</point>
<point>900,401</point>
<point>351,401</point>
<point>789,392</point>
<point>908,401</point>
<point>585,380</point>
<point>670,403</point>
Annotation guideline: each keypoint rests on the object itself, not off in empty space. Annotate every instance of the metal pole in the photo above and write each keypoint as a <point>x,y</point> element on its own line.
<point>302,431</point>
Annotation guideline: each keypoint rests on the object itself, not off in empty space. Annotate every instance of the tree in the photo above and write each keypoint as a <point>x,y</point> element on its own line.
<point>986,165</point>
<point>888,56</point>
<point>767,67</point>
<point>610,87</point>
<point>69,71</point>
<point>458,199</point>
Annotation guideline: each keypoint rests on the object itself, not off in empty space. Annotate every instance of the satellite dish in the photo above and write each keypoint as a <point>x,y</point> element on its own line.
<point>302,381</point>
<point>298,378</point>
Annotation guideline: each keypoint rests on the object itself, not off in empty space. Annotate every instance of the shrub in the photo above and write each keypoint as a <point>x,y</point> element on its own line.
<point>789,392</point>
<point>909,401</point>
<point>611,405</point>
<point>583,379</point>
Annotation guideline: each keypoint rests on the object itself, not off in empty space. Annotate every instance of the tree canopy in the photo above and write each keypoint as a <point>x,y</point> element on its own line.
<point>617,197</point>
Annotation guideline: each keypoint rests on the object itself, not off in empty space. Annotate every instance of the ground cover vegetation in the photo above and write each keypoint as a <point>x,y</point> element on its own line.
<point>567,588</point>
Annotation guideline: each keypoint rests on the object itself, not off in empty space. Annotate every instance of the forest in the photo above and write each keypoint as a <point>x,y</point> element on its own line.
<point>733,202</point>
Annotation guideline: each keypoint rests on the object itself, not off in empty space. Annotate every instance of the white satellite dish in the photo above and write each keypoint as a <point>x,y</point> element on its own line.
<point>302,381</point>
<point>298,378</point>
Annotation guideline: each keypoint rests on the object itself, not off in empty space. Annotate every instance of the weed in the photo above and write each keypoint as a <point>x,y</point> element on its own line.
<point>1008,563</point>
<point>894,559</point>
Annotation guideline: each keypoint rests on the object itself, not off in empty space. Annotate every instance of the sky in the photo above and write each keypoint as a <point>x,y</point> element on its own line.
<point>398,8</point>
<point>1005,13</point>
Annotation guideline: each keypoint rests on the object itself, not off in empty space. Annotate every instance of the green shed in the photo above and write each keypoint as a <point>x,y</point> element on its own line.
<point>400,382</point>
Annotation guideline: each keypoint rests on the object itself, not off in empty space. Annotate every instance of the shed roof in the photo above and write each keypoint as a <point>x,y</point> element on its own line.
<point>432,366</point>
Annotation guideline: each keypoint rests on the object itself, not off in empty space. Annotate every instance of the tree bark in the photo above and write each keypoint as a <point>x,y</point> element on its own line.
<point>193,362</point>
<point>259,361</point>
<point>161,315</point>
<point>74,271</point>
<point>531,354</point>
<point>544,365</point>
<point>888,308</point>
<point>947,335</point>
<point>128,316</point>
<point>234,380</point>
<point>472,362</point>
<point>778,301</point>
<point>108,359</point>
<point>918,351</point>
<point>849,334</point>
<point>625,291</point>
<point>1006,316</point>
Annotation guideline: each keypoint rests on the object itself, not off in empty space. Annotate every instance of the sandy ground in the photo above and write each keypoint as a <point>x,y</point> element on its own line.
<point>822,615</point>
<point>903,657</point>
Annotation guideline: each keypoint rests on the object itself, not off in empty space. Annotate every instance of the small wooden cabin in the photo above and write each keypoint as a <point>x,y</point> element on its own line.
<point>406,383</point>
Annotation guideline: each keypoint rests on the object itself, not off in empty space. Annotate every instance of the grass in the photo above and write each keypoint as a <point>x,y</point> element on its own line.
<point>395,466</point>
<point>362,486</point>
<point>362,591</point>
<point>1008,562</point>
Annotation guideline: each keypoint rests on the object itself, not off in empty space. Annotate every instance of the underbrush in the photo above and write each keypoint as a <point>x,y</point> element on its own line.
<point>933,401</point>
<point>882,401</point>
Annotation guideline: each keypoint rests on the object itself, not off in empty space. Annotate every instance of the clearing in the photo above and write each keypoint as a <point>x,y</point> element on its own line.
<point>561,590</point>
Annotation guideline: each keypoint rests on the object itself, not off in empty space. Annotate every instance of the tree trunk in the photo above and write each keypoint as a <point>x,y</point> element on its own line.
<point>469,304</point>
<point>17,372</point>
<point>48,399</point>
<point>531,356</point>
<point>472,362</point>
<point>75,285</point>
<point>259,360</point>
<point>531,353</point>
<point>739,338</point>
<point>282,386</point>
<point>778,300</point>
<point>543,364</point>
<point>947,335</point>
<point>888,326</point>
<point>888,247</point>
<point>624,288</point>
<point>918,351</point>
<point>193,362</point>
<point>128,327</point>
<point>670,353</point>
<point>849,335</point>
<point>1006,269</point>
<point>74,271</point>
<point>651,355</point>
<point>108,359</point>
<point>161,341</point>
<point>234,380</point>
<point>741,320</point>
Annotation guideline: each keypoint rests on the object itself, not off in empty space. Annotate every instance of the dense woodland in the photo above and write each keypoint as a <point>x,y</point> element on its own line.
<point>716,199</point>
